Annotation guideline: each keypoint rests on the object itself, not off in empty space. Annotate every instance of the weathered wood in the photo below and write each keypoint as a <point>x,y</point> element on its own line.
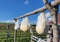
<point>15,32</point>
<point>49,35</point>
<point>54,26</point>
<point>31,31</point>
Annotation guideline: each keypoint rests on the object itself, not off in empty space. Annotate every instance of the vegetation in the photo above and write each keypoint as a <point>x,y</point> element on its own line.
<point>21,36</point>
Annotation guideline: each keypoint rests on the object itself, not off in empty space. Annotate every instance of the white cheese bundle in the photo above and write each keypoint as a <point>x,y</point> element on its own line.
<point>41,24</point>
<point>48,17</point>
<point>16,25</point>
<point>25,25</point>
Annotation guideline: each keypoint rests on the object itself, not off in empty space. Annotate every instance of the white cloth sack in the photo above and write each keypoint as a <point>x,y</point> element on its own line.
<point>25,25</point>
<point>16,25</point>
<point>48,17</point>
<point>41,26</point>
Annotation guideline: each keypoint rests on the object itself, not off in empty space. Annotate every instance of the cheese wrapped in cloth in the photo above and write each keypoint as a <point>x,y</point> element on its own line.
<point>16,25</point>
<point>25,25</point>
<point>41,26</point>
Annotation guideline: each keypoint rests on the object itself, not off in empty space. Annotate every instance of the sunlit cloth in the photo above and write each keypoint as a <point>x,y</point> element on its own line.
<point>48,17</point>
<point>16,25</point>
<point>25,25</point>
<point>41,24</point>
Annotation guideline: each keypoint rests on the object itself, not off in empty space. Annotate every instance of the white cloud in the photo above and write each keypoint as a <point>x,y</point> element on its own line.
<point>26,2</point>
<point>7,21</point>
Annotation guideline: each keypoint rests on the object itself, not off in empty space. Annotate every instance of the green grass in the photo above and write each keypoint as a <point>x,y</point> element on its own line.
<point>21,36</point>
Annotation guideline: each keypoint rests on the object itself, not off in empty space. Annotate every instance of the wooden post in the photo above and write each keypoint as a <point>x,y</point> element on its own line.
<point>53,11</point>
<point>15,33</point>
<point>7,32</point>
<point>49,35</point>
<point>55,27</point>
<point>55,32</point>
<point>31,31</point>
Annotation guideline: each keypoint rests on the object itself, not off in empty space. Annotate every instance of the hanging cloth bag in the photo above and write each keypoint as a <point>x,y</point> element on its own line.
<point>16,25</point>
<point>41,24</point>
<point>48,17</point>
<point>25,25</point>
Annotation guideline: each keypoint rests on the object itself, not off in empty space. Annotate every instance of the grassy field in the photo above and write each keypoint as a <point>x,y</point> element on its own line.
<point>21,36</point>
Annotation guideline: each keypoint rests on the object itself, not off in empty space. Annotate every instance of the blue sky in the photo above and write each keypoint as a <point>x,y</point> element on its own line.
<point>10,9</point>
